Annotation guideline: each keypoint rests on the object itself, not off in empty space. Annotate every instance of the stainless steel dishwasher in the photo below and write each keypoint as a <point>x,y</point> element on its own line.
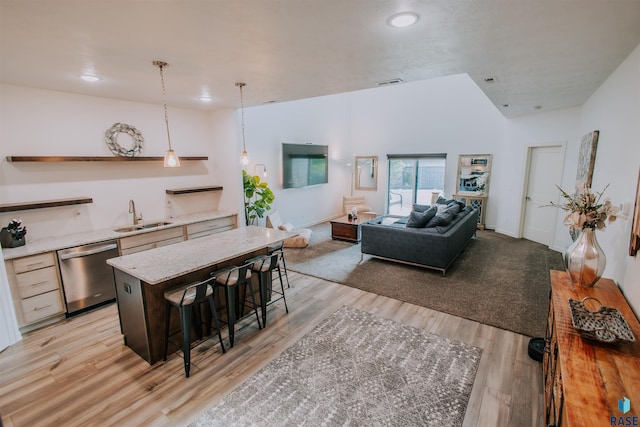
<point>87,279</point>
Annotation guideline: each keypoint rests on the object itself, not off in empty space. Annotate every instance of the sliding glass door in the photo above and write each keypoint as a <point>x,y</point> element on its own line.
<point>414,179</point>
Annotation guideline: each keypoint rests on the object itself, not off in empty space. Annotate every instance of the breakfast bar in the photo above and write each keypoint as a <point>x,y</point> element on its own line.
<point>143,277</point>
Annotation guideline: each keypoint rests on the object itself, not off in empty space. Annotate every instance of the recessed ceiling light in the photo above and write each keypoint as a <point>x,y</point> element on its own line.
<point>491,79</point>
<point>403,19</point>
<point>205,98</point>
<point>90,78</point>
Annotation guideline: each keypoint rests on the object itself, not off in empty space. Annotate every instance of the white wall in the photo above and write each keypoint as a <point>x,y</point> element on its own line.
<point>558,127</point>
<point>40,122</point>
<point>323,120</point>
<point>447,115</point>
<point>614,109</point>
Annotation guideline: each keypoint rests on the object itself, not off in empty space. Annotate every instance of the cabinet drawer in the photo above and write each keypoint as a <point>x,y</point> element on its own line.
<point>41,306</point>
<point>147,238</point>
<point>153,245</point>
<point>34,262</point>
<point>218,225</point>
<point>37,282</point>
<point>210,232</point>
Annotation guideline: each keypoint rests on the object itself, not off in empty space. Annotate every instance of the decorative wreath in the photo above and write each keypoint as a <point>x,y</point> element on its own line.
<point>111,138</point>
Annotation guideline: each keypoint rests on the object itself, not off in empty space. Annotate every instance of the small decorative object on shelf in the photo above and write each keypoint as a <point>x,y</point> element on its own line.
<point>13,234</point>
<point>111,138</point>
<point>585,260</point>
<point>604,324</point>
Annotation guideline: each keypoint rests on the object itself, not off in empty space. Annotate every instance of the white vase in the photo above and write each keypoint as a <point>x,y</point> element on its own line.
<point>584,260</point>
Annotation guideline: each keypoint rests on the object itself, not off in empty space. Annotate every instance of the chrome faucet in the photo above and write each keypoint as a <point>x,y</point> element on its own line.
<point>132,210</point>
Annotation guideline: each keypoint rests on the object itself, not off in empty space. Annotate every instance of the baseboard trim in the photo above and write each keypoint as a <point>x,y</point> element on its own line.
<point>506,233</point>
<point>311,224</point>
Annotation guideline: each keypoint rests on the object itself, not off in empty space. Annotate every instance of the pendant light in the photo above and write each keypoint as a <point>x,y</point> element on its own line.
<point>244,159</point>
<point>171,159</point>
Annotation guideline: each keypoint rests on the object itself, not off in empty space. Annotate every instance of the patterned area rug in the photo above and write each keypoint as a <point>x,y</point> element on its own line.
<point>356,369</point>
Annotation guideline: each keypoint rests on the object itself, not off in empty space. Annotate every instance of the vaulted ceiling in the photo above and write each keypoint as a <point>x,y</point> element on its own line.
<point>542,55</point>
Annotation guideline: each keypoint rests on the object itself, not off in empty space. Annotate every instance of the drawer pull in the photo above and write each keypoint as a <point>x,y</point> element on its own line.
<point>34,264</point>
<point>44,282</point>
<point>41,308</point>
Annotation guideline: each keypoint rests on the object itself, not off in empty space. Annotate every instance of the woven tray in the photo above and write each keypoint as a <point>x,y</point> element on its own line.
<point>606,324</point>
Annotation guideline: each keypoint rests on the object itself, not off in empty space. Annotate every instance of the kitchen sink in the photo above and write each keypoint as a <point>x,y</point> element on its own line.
<point>155,224</point>
<point>141,226</point>
<point>130,228</point>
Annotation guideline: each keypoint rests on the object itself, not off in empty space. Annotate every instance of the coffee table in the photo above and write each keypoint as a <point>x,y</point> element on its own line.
<point>347,229</point>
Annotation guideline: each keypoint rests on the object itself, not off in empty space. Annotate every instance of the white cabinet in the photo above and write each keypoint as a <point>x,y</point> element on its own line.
<point>212,226</point>
<point>36,289</point>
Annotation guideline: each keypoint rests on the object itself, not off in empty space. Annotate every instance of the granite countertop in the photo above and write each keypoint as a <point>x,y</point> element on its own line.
<point>167,262</point>
<point>38,246</point>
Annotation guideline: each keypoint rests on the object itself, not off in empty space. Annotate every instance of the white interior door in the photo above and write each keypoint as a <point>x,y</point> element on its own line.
<point>545,172</point>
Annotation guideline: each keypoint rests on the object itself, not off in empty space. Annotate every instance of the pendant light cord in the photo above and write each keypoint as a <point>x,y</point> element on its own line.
<point>161,65</point>
<point>244,145</point>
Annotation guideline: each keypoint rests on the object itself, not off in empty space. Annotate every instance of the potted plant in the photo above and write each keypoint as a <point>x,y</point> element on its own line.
<point>13,234</point>
<point>257,198</point>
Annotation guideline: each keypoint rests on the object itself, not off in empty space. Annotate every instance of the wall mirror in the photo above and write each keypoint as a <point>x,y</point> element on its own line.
<point>473,173</point>
<point>366,172</point>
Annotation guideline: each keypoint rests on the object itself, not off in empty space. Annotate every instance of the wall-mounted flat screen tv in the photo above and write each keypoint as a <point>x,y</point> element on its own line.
<point>304,165</point>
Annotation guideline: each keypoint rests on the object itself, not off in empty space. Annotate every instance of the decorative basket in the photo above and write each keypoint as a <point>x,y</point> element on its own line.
<point>606,324</point>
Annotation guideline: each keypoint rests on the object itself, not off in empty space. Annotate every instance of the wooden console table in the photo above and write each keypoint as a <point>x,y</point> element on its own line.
<point>584,380</point>
<point>475,201</point>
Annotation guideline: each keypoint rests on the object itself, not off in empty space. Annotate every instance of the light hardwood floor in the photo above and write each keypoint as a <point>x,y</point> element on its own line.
<point>79,373</point>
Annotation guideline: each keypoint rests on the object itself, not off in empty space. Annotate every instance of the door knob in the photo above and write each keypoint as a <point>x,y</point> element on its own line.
<point>528,198</point>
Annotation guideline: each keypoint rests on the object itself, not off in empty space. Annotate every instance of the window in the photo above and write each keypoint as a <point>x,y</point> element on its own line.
<point>413,179</point>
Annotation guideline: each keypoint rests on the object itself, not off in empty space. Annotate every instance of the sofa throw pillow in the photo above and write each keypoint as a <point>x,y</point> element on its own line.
<point>420,219</point>
<point>421,208</point>
<point>443,218</point>
<point>454,208</point>
<point>286,226</point>
<point>442,201</point>
<point>461,202</point>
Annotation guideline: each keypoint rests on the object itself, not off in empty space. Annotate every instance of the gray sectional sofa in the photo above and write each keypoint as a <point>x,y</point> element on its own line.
<point>432,246</point>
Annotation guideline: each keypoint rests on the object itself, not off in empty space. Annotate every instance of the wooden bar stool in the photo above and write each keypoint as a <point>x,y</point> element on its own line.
<point>264,265</point>
<point>231,279</point>
<point>185,298</point>
<point>279,248</point>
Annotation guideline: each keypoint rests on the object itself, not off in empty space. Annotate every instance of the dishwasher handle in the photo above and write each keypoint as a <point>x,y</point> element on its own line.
<point>91,250</point>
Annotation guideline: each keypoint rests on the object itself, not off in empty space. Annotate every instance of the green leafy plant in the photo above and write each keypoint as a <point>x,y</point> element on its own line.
<point>257,197</point>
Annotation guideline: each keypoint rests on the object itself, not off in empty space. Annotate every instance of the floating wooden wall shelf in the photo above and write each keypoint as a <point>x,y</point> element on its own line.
<point>177,191</point>
<point>94,158</point>
<point>11,207</point>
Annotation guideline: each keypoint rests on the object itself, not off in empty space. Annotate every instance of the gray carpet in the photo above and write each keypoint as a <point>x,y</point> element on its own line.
<point>497,280</point>
<point>356,369</point>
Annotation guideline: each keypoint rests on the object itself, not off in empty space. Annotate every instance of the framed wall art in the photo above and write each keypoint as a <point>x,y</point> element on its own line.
<point>587,157</point>
<point>634,245</point>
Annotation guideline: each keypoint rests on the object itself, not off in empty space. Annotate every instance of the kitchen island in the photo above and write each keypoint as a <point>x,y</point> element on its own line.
<point>143,277</point>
